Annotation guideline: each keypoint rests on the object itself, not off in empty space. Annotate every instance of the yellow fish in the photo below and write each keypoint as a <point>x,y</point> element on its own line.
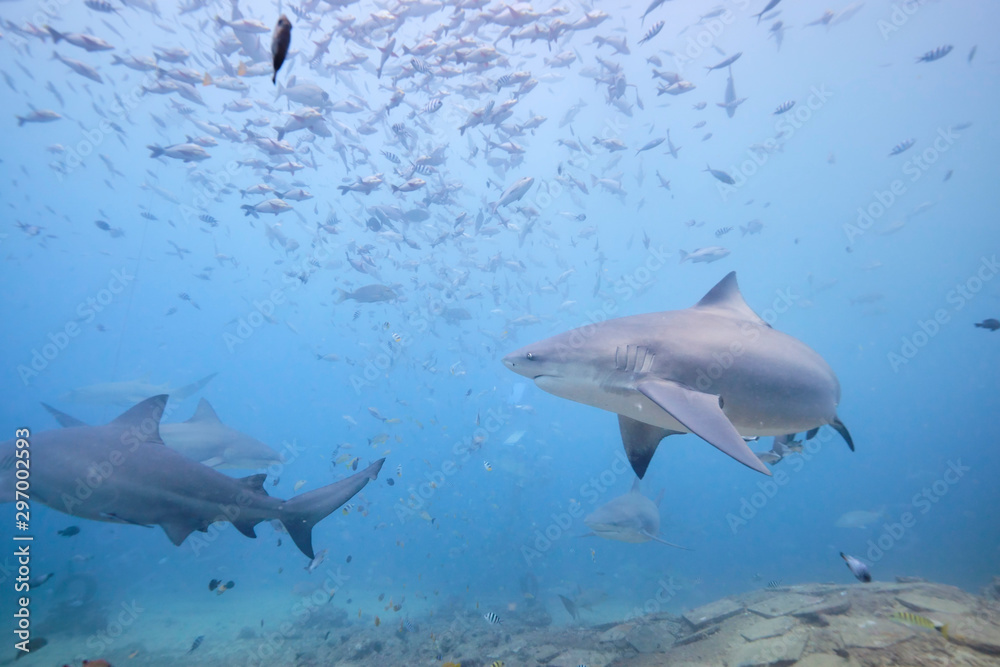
<point>909,618</point>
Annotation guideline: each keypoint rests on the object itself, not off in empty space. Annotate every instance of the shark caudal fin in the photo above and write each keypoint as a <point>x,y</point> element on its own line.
<point>301,513</point>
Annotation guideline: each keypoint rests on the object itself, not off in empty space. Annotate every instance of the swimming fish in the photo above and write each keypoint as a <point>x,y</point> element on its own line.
<point>909,618</point>
<point>280,42</point>
<point>858,569</point>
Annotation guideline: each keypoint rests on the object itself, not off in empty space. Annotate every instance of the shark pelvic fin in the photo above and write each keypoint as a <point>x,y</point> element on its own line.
<point>640,442</point>
<point>842,430</point>
<point>701,414</point>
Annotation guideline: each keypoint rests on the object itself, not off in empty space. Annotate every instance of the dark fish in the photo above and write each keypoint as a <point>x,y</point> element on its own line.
<point>992,324</point>
<point>858,569</point>
<point>348,559</point>
<point>148,215</point>
<point>280,41</point>
<point>197,642</point>
<point>102,225</point>
<point>720,175</point>
<point>972,54</point>
<point>727,62</point>
<point>936,54</point>
<point>70,531</point>
<point>770,5</point>
<point>902,146</point>
<point>213,584</point>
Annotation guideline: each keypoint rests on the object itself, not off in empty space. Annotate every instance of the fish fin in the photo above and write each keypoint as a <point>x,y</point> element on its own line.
<point>245,526</point>
<point>204,413</point>
<point>944,630</point>
<point>144,417</point>
<point>844,433</point>
<point>726,298</point>
<point>810,434</point>
<point>193,388</point>
<point>701,414</point>
<point>254,483</point>
<point>640,442</point>
<point>301,513</point>
<point>635,485</point>
<point>213,462</point>
<point>659,539</point>
<point>659,497</point>
<point>570,607</point>
<point>178,530</point>
<point>107,516</point>
<point>64,419</point>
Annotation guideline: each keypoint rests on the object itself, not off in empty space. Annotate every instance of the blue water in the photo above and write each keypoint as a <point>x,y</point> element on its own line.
<point>920,399</point>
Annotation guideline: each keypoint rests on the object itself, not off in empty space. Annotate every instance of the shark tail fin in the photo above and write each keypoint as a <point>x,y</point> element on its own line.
<point>301,513</point>
<point>193,388</point>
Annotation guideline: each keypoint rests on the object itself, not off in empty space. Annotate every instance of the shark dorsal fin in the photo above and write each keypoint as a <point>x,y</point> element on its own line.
<point>725,298</point>
<point>144,418</point>
<point>254,483</point>
<point>204,413</point>
<point>64,419</point>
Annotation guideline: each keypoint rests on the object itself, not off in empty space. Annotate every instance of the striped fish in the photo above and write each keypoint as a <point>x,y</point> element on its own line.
<point>936,54</point>
<point>391,157</point>
<point>774,583</point>
<point>492,618</point>
<point>722,231</point>
<point>902,146</point>
<point>909,618</point>
<point>652,32</point>
<point>783,107</point>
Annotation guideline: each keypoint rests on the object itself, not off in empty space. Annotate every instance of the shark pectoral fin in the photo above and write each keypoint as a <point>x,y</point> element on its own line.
<point>844,433</point>
<point>64,419</point>
<point>213,462</point>
<point>701,414</point>
<point>640,442</point>
<point>659,539</point>
<point>178,530</point>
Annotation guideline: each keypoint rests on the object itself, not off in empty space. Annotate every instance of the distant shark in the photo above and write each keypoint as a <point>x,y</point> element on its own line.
<point>122,472</point>
<point>203,438</point>
<point>130,392</point>
<point>716,370</point>
<point>629,518</point>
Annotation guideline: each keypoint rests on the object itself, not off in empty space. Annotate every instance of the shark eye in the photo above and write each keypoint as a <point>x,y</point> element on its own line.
<point>530,356</point>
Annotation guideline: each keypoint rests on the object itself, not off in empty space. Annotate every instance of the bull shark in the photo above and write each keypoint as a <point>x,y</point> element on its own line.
<point>203,438</point>
<point>715,369</point>
<point>130,392</point>
<point>629,518</point>
<point>122,472</point>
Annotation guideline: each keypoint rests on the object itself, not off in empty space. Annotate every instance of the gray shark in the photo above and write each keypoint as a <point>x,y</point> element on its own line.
<point>716,370</point>
<point>629,518</point>
<point>204,438</point>
<point>130,392</point>
<point>122,472</point>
